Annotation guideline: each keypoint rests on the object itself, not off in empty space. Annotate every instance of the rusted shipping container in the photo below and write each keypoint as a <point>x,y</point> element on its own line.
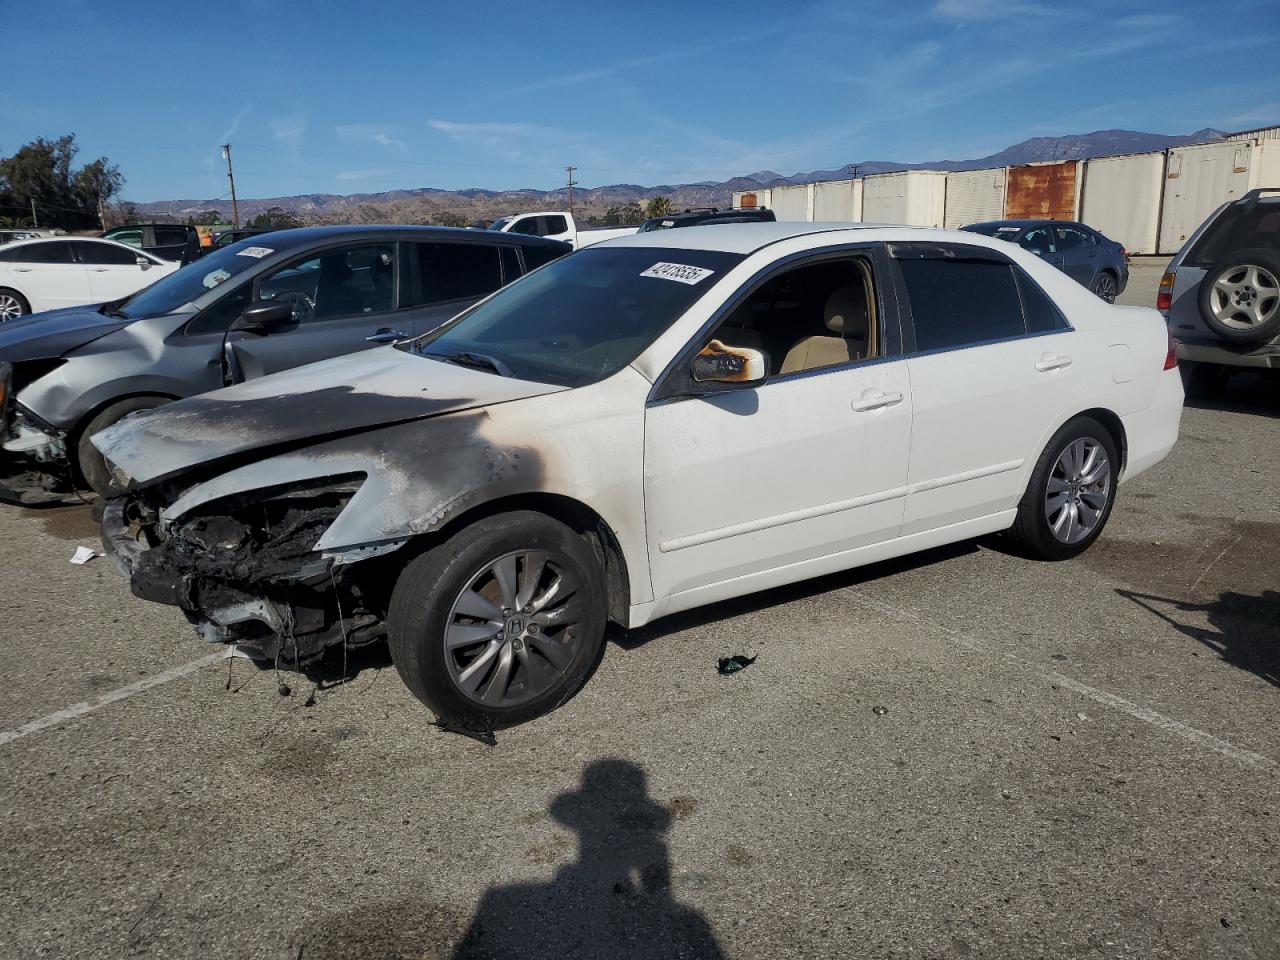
<point>1040,191</point>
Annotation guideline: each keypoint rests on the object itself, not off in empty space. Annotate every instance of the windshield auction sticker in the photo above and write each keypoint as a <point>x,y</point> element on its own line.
<point>679,272</point>
<point>256,252</point>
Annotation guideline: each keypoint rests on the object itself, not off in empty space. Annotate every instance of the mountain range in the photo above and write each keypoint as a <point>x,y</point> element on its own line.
<point>427,204</point>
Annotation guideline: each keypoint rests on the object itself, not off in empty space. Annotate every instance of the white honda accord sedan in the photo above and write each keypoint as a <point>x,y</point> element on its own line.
<point>649,425</point>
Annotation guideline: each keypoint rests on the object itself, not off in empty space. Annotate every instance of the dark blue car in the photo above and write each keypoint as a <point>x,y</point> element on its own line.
<point>1081,252</point>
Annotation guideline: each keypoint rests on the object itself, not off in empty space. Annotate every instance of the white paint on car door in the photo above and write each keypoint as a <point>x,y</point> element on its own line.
<point>115,271</point>
<point>49,277</point>
<point>798,468</point>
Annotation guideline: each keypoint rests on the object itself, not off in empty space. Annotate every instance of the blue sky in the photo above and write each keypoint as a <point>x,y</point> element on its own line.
<point>347,98</point>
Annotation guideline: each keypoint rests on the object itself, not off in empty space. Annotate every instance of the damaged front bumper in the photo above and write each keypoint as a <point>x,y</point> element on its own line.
<point>34,467</point>
<point>247,573</point>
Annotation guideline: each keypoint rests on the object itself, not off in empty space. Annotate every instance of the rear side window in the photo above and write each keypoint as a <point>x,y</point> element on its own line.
<point>537,256</point>
<point>1043,315</point>
<point>132,237</point>
<point>956,303</point>
<point>554,224</point>
<point>170,236</point>
<point>455,271</point>
<point>44,253</point>
<point>105,253</point>
<point>510,264</point>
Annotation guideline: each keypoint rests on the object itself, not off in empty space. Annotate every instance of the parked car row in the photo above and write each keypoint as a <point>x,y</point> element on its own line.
<point>55,272</point>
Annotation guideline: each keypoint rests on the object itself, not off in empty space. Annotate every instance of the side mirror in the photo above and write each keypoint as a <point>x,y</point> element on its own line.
<point>144,263</point>
<point>263,316</point>
<point>719,363</point>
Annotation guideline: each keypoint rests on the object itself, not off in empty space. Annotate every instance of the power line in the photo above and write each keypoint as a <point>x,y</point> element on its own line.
<point>569,170</point>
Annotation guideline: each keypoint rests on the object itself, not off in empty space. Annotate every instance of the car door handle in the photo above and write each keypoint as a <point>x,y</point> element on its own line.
<point>21,269</point>
<point>98,269</point>
<point>1049,362</point>
<point>386,336</point>
<point>875,401</point>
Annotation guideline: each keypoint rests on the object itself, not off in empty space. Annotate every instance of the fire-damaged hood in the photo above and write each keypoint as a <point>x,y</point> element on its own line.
<point>54,333</point>
<point>274,414</point>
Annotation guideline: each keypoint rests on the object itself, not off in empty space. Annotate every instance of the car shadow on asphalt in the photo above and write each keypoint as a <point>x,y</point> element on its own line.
<point>614,900</point>
<point>1246,392</point>
<point>1244,628</point>
<point>753,602</point>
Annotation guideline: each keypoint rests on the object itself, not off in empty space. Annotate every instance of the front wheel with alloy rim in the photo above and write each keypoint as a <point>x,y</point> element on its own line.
<point>1104,286</point>
<point>501,623</point>
<point>12,305</point>
<point>1071,492</point>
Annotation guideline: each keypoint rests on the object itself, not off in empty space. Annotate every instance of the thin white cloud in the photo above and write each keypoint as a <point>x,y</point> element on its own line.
<point>290,130</point>
<point>966,10</point>
<point>234,127</point>
<point>385,135</point>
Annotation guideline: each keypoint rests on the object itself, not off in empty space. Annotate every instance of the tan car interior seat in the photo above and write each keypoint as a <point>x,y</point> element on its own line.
<point>848,317</point>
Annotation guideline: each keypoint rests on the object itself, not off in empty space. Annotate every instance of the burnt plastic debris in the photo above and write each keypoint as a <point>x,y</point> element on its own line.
<point>735,663</point>
<point>879,710</point>
<point>482,734</point>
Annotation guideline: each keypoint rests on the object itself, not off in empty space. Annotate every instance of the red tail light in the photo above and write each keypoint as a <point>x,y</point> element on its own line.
<point>1164,297</point>
<point>1171,358</point>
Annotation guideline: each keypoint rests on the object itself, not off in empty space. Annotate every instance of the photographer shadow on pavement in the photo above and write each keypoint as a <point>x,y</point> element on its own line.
<point>614,901</point>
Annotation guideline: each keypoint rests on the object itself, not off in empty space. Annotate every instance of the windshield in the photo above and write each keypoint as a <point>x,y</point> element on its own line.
<point>581,318</point>
<point>170,294</point>
<point>656,223</point>
<point>500,224</point>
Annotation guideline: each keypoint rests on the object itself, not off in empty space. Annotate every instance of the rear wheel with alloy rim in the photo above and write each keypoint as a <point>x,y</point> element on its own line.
<point>1104,286</point>
<point>501,623</point>
<point>1071,492</point>
<point>12,305</point>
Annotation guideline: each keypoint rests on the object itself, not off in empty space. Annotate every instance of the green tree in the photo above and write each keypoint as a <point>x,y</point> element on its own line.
<point>658,207</point>
<point>447,218</point>
<point>42,172</point>
<point>275,217</point>
<point>207,217</point>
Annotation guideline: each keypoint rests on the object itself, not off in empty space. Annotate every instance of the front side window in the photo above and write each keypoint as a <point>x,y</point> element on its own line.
<point>345,282</point>
<point>960,302</point>
<point>581,318</point>
<point>220,314</point>
<point>170,236</point>
<point>131,237</point>
<point>1040,241</point>
<point>457,271</point>
<point>530,226</point>
<point>105,254</point>
<point>813,316</point>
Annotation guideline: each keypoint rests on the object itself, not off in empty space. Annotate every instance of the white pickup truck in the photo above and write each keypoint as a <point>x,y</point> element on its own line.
<point>557,225</point>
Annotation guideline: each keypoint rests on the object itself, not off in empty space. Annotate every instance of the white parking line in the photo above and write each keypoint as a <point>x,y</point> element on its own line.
<point>111,696</point>
<point>1145,714</point>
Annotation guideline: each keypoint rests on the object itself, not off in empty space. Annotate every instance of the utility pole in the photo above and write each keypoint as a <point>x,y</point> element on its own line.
<point>35,221</point>
<point>102,212</point>
<point>569,170</point>
<point>235,207</point>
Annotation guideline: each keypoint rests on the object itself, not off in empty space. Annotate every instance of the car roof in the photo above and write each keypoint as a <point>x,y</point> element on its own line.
<point>1026,223</point>
<point>738,237</point>
<point>292,237</point>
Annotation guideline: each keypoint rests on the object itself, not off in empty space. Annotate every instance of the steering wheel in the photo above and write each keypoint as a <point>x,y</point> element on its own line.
<point>302,305</point>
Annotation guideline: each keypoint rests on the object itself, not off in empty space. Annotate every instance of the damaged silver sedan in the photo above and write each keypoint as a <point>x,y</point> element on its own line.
<point>649,425</point>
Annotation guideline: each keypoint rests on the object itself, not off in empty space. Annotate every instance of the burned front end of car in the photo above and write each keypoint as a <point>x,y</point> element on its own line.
<point>245,569</point>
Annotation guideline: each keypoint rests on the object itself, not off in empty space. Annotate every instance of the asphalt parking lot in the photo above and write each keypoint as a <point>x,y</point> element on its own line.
<point>964,754</point>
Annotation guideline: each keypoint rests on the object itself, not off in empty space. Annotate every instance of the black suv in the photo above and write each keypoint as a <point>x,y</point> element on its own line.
<point>1221,294</point>
<point>697,216</point>
<point>169,241</point>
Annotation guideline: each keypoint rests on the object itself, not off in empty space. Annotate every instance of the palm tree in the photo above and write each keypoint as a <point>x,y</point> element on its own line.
<point>658,207</point>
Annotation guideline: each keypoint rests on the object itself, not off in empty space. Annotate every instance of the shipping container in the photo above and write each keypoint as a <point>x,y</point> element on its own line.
<point>913,197</point>
<point>974,196</point>
<point>751,199</point>
<point>1043,191</point>
<point>1200,178</point>
<point>793,202</point>
<point>837,201</point>
<point>1120,197</point>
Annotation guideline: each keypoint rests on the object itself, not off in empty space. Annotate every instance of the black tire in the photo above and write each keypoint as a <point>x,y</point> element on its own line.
<point>90,463</point>
<point>1204,381</point>
<point>1031,530</point>
<point>11,300</point>
<point>1106,286</point>
<point>1266,294</point>
<point>422,611</point>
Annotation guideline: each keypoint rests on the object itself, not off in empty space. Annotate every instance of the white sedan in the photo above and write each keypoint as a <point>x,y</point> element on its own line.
<point>652,424</point>
<point>51,273</point>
